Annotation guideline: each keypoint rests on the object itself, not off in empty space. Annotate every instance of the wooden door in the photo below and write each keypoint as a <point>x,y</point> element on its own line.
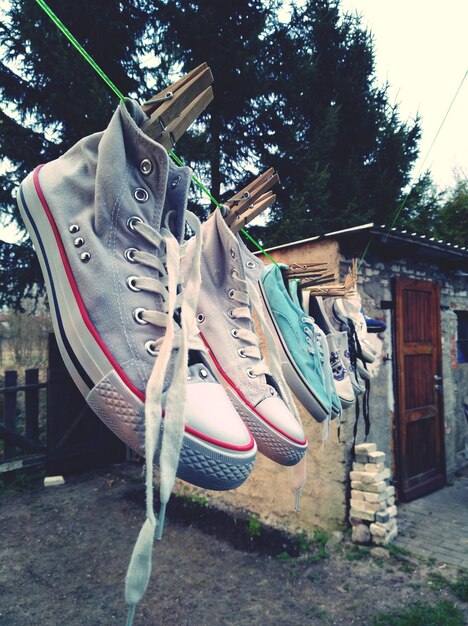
<point>420,420</point>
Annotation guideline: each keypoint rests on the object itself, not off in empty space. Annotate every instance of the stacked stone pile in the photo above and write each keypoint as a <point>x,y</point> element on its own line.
<point>373,511</point>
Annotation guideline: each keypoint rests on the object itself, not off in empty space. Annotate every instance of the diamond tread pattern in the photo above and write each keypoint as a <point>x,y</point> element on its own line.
<point>276,449</point>
<point>194,466</point>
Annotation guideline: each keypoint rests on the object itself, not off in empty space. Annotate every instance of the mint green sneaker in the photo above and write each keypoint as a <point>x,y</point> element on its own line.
<point>326,347</point>
<point>301,354</point>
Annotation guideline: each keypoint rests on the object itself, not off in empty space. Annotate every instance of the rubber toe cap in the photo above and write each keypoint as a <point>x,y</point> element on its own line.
<point>277,414</point>
<point>212,416</point>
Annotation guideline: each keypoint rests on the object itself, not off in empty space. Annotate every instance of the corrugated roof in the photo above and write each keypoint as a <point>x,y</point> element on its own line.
<point>386,234</point>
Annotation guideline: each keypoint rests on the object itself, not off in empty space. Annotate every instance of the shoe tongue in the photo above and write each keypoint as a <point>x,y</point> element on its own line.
<point>136,112</point>
<point>294,293</point>
<point>272,386</point>
<point>253,267</point>
<point>175,203</point>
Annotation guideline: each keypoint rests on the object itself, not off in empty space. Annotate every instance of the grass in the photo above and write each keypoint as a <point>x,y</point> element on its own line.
<point>357,553</point>
<point>459,587</point>
<point>22,481</point>
<point>443,613</point>
<point>316,613</point>
<point>396,551</point>
<point>254,526</point>
<point>314,547</point>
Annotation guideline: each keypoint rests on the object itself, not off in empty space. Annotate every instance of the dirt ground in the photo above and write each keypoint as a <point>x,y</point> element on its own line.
<point>64,553</point>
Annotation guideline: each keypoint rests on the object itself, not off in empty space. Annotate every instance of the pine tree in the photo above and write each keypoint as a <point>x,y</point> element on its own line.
<point>229,36</point>
<point>340,148</point>
<point>452,222</point>
<point>299,95</point>
<point>51,98</point>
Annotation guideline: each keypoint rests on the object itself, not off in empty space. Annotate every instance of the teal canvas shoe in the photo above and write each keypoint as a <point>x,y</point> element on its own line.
<point>301,356</point>
<point>327,355</point>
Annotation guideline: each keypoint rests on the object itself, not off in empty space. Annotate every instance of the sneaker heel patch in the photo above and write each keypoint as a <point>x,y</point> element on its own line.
<point>126,417</point>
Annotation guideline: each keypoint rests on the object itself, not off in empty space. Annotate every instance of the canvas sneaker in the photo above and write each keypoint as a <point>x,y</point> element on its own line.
<point>106,220</point>
<point>340,373</point>
<point>228,295</point>
<point>346,345</point>
<point>349,309</point>
<point>302,358</point>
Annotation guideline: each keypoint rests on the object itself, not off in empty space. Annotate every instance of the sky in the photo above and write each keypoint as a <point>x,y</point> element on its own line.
<point>421,50</point>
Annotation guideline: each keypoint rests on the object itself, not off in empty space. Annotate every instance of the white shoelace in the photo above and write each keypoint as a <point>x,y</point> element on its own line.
<point>252,349</point>
<point>182,338</point>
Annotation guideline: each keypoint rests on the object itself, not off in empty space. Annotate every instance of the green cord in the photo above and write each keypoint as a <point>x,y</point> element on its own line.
<point>79,47</point>
<point>108,81</point>
<point>195,180</point>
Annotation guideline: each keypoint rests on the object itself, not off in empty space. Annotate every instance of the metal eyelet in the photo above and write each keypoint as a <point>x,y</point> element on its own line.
<point>234,272</point>
<point>250,264</point>
<point>175,182</point>
<point>231,293</point>
<point>250,374</point>
<point>132,221</point>
<point>200,318</point>
<point>140,194</point>
<point>78,242</point>
<point>203,374</point>
<point>85,257</point>
<point>241,353</point>
<point>272,391</point>
<point>233,253</point>
<point>146,167</point>
<point>130,282</point>
<point>74,228</point>
<point>137,313</point>
<point>129,254</point>
<point>150,347</point>
<point>234,332</point>
<point>230,313</point>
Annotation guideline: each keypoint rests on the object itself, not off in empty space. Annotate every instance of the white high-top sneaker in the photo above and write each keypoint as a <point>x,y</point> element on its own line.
<point>106,220</point>
<point>230,274</point>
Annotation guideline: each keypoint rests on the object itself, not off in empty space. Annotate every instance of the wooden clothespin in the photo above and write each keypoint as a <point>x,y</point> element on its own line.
<point>305,270</point>
<point>310,274</point>
<point>350,280</point>
<point>325,278</point>
<point>255,198</point>
<point>175,108</point>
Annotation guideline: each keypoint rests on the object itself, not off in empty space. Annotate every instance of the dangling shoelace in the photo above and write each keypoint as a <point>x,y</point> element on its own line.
<point>176,337</point>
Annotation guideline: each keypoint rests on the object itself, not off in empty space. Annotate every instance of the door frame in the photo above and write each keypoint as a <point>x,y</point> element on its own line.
<point>405,492</point>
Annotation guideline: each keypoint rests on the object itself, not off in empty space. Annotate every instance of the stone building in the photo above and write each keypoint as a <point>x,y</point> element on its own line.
<point>419,392</point>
